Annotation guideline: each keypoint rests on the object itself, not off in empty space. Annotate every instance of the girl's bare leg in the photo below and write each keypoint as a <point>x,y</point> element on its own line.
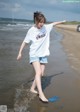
<point>33,87</point>
<point>34,83</point>
<point>42,69</point>
<point>38,72</point>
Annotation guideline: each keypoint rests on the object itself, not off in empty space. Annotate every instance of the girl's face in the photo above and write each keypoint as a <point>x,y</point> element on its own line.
<point>40,25</point>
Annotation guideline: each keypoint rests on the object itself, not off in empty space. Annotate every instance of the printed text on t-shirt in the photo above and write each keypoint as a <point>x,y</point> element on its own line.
<point>40,36</point>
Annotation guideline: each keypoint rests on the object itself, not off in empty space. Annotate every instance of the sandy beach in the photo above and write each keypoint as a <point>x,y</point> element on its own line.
<point>62,77</point>
<point>71,43</point>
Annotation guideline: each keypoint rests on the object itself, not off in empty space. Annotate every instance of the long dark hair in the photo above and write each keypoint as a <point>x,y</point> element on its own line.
<point>38,16</point>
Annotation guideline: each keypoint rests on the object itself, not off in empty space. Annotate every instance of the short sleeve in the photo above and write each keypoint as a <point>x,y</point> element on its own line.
<point>27,37</point>
<point>49,27</point>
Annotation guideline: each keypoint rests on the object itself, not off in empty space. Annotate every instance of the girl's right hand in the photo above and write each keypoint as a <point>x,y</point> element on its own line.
<point>19,56</point>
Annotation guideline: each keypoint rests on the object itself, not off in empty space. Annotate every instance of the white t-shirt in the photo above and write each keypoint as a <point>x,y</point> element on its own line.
<point>39,39</point>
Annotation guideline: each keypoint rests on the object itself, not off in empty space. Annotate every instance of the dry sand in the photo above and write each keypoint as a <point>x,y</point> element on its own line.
<point>71,43</point>
<point>67,27</point>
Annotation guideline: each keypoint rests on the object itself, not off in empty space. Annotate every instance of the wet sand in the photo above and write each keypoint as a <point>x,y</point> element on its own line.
<point>60,78</point>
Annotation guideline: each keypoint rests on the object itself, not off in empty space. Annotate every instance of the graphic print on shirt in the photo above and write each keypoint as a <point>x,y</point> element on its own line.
<point>41,35</point>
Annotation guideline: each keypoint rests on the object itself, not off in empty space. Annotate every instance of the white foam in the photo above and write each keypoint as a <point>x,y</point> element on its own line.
<point>18,26</point>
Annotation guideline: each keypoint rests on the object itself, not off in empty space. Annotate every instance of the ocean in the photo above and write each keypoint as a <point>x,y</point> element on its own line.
<point>12,72</point>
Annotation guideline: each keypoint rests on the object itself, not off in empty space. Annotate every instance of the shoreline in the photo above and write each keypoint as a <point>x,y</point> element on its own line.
<point>71,45</point>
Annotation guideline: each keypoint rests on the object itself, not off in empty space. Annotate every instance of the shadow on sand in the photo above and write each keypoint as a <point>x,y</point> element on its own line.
<point>46,80</point>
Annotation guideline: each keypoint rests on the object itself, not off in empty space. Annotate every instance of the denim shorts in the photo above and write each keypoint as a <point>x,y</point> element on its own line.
<point>40,59</point>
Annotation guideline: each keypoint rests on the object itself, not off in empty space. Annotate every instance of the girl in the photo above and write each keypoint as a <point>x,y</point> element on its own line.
<point>38,35</point>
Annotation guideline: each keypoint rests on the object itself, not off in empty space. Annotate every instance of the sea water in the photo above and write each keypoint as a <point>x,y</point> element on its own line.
<point>12,72</point>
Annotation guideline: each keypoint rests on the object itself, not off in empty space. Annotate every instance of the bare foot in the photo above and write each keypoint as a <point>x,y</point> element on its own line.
<point>33,91</point>
<point>43,99</point>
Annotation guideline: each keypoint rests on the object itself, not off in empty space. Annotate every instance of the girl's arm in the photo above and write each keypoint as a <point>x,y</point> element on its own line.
<point>20,51</point>
<point>60,22</point>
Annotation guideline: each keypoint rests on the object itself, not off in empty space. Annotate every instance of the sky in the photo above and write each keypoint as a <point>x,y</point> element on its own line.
<point>54,10</point>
